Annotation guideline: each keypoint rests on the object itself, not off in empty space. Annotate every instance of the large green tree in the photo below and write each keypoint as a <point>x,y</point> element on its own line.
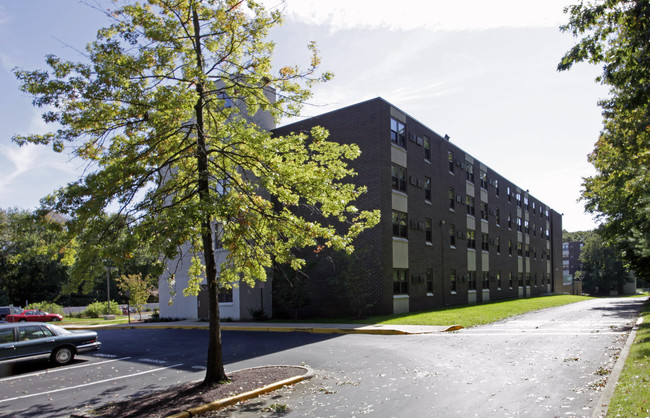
<point>616,35</point>
<point>35,256</point>
<point>161,111</point>
<point>601,270</point>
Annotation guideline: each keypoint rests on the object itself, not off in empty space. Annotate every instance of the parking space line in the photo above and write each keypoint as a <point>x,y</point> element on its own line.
<point>50,371</point>
<point>88,384</point>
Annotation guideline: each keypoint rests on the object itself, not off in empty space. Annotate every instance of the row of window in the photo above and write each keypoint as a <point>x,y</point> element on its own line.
<point>401,280</point>
<point>400,229</point>
<point>398,137</point>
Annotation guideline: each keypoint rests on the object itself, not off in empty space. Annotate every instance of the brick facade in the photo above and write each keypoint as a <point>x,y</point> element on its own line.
<point>506,243</point>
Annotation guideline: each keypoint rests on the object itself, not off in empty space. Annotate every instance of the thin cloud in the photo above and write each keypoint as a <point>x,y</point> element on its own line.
<point>434,15</point>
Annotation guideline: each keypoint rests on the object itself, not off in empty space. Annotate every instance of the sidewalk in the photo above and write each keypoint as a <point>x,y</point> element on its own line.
<point>378,329</point>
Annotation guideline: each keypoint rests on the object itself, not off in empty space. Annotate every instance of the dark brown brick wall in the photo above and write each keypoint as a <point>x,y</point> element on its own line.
<point>368,125</point>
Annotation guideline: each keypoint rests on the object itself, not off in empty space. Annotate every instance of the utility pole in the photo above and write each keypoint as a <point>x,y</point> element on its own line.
<point>108,289</point>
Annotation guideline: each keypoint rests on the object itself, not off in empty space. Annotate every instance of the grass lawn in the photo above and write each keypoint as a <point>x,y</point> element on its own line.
<point>632,395</point>
<point>479,314</point>
<point>93,321</point>
<point>467,316</point>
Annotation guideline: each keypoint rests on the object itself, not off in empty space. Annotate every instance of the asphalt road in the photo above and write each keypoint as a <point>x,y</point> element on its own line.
<point>546,364</point>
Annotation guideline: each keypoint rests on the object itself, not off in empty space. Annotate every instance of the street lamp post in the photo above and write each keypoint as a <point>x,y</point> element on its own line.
<point>108,289</point>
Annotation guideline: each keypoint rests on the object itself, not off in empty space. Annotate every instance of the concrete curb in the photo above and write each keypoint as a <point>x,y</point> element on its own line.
<point>612,381</point>
<point>222,403</point>
<point>309,329</point>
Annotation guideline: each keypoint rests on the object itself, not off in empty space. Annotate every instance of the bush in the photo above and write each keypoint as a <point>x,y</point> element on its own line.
<point>98,309</point>
<point>50,307</point>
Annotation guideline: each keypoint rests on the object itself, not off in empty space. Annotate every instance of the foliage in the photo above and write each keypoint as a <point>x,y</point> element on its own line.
<point>139,289</point>
<point>98,309</point>
<point>35,255</point>
<point>601,269</point>
<point>107,242</point>
<point>289,288</point>
<point>350,281</point>
<point>632,395</point>
<point>163,113</point>
<point>580,236</point>
<point>614,34</point>
<point>49,307</point>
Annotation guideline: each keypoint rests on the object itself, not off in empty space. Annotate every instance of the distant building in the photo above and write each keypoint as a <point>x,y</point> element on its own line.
<point>452,230</point>
<point>570,265</point>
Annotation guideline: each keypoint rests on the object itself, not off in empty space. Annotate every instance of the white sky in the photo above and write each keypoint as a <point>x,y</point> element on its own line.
<point>481,72</point>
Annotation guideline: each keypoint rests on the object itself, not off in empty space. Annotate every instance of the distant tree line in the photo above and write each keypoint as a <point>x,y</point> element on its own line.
<point>41,260</point>
<point>602,267</point>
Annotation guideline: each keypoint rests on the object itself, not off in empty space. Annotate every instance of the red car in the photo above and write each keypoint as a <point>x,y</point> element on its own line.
<point>33,315</point>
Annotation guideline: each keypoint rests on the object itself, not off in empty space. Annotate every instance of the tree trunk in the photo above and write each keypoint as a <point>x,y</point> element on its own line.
<point>215,372</point>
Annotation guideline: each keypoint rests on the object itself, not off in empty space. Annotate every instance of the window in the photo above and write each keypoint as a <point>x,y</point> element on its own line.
<point>452,198</point>
<point>484,180</point>
<point>450,158</point>
<point>496,187</point>
<point>527,279</point>
<point>427,189</point>
<point>520,251</point>
<point>470,171</point>
<point>527,248</point>
<point>427,229</point>
<point>427,148</point>
<point>534,228</point>
<point>510,221</point>
<point>471,280</point>
<point>452,235</point>
<point>397,133</point>
<point>510,280</point>
<point>533,207</point>
<point>519,226</point>
<point>429,281</point>
<point>499,280</point>
<point>509,194</point>
<point>225,295</point>
<point>518,198</point>
<point>497,217</point>
<point>400,224</point>
<point>484,211</point>
<point>520,279</point>
<point>497,243</point>
<point>398,174</point>
<point>485,243</point>
<point>400,282</point>
<point>486,280</point>
<point>509,247</point>
<point>526,203</point>
<point>469,200</point>
<point>527,227</point>
<point>452,280</point>
<point>471,238</point>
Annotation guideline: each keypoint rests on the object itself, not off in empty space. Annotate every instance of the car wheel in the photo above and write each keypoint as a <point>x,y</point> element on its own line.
<point>63,356</point>
<point>23,320</point>
<point>56,319</point>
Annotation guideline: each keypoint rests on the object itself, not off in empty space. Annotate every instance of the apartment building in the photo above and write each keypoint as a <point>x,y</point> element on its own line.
<point>452,231</point>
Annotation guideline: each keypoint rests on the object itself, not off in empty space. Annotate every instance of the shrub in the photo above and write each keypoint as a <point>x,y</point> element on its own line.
<point>98,309</point>
<point>50,307</point>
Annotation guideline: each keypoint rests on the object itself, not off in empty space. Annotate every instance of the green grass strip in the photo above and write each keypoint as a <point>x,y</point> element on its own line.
<point>467,316</point>
<point>632,395</point>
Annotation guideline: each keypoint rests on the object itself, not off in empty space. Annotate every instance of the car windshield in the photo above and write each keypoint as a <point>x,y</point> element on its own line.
<point>58,330</point>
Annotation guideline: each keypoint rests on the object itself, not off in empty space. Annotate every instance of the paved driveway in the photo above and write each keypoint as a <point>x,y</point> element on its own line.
<point>546,364</point>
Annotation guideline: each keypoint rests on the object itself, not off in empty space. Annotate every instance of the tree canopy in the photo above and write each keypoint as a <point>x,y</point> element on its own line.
<point>601,270</point>
<point>162,108</point>
<point>616,35</point>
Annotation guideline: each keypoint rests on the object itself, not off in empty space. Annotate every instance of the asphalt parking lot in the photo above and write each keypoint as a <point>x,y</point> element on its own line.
<point>131,362</point>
